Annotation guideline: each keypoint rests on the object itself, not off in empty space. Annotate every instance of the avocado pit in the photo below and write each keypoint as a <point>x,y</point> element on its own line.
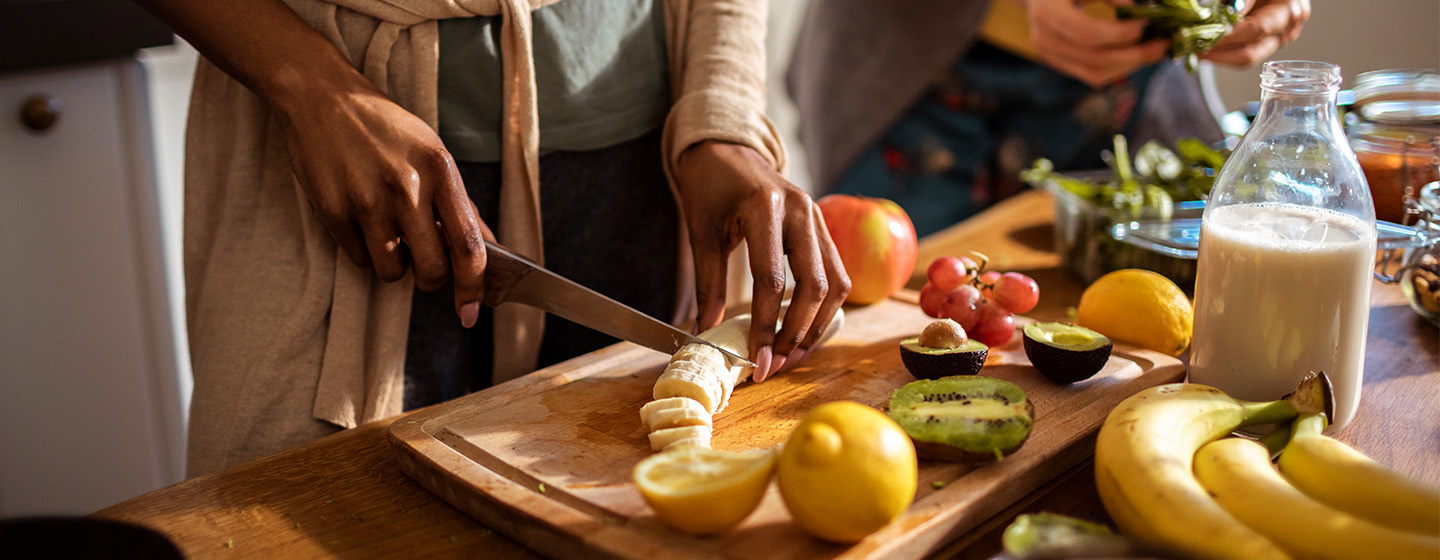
<point>942,350</point>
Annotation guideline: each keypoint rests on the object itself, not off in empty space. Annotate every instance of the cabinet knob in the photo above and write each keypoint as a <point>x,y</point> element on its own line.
<point>40,112</point>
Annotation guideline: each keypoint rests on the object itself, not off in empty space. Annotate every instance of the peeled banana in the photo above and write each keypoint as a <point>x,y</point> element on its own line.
<point>1238,473</point>
<point>698,382</point>
<point>700,373</point>
<point>1143,459</point>
<point>1339,476</point>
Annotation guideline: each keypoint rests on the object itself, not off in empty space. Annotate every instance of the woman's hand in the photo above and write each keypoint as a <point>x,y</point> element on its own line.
<point>729,193</point>
<point>1268,25</point>
<point>382,183</point>
<point>1091,49</point>
<point>377,175</point>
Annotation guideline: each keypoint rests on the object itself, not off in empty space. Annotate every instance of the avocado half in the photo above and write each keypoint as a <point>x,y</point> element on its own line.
<point>933,363</point>
<point>1066,353</point>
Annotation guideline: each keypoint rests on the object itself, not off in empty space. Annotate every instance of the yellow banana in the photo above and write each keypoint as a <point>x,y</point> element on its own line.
<point>1238,473</point>
<point>1143,466</point>
<point>1341,477</point>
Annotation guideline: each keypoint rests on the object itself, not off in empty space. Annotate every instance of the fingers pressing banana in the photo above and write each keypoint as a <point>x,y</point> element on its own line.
<point>698,382</point>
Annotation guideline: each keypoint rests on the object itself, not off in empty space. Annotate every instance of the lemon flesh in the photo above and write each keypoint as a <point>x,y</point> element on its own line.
<point>1138,307</point>
<point>846,471</point>
<point>703,491</point>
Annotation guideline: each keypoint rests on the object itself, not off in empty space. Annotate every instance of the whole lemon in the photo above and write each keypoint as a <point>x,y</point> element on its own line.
<point>846,471</point>
<point>1139,307</point>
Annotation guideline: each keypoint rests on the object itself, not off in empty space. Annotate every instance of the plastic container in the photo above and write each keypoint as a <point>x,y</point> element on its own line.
<point>1088,250</point>
<point>1286,250</point>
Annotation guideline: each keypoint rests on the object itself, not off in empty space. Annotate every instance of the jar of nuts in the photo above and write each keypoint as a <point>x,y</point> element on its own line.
<point>1421,277</point>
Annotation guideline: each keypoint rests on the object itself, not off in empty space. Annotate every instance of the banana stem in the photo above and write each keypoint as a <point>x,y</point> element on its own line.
<point>1273,412</point>
<point>1307,424</point>
<point>1312,396</point>
<point>1275,441</point>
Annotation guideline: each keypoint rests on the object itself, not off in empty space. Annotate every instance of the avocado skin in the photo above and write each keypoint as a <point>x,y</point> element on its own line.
<point>937,363</point>
<point>1063,365</point>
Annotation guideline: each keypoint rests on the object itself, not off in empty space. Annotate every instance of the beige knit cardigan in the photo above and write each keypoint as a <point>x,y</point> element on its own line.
<point>289,339</point>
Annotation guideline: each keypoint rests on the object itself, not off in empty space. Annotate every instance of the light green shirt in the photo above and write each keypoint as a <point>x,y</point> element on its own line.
<point>600,77</point>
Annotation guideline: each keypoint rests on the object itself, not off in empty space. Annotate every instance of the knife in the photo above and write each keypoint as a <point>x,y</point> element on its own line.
<point>512,278</point>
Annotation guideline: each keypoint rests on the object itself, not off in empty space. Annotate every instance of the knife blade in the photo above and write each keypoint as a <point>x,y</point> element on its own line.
<point>512,278</point>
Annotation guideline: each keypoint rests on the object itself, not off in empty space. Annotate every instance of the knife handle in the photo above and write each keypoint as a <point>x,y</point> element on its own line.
<point>502,270</point>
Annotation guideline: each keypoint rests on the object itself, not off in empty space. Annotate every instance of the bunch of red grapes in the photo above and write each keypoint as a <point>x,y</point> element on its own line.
<point>983,302</point>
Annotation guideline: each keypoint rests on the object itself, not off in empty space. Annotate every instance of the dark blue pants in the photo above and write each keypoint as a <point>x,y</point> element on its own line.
<point>610,223</point>
<point>962,146</point>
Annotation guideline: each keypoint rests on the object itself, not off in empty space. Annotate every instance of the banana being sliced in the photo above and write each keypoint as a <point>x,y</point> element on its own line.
<point>692,374</point>
<point>673,412</point>
<point>697,384</point>
<point>702,373</point>
<point>663,439</point>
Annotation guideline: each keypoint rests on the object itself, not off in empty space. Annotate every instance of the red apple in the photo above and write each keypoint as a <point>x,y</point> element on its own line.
<point>876,241</point>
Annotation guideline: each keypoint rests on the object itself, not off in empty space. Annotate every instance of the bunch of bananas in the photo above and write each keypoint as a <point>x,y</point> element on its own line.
<point>1169,477</point>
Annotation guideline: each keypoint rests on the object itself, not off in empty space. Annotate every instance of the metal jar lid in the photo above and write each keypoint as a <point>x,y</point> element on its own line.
<point>1402,96</point>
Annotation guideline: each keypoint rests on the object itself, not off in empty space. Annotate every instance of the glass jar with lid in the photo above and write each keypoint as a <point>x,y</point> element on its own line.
<point>1395,131</point>
<point>1420,278</point>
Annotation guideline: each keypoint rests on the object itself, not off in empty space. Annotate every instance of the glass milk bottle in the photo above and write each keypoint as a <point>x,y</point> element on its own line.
<point>1287,248</point>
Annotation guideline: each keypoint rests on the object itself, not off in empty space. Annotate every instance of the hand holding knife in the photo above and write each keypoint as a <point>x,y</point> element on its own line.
<point>512,278</point>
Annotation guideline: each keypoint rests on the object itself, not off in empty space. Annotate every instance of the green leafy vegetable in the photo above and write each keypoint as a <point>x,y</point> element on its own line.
<point>1192,28</point>
<point>1150,185</point>
<point>1145,187</point>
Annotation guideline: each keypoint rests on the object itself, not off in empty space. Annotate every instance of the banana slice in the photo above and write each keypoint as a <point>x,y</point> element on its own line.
<point>694,373</point>
<point>698,436</point>
<point>674,412</point>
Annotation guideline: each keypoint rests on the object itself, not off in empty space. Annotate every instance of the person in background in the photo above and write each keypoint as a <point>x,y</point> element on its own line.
<point>346,159</point>
<point>939,105</point>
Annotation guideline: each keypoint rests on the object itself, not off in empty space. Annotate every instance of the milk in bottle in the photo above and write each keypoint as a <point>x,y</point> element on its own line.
<point>1287,248</point>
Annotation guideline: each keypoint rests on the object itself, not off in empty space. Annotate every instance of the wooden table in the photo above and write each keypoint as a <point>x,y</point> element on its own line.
<point>345,496</point>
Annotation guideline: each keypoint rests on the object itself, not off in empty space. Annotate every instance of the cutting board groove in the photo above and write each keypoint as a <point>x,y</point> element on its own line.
<point>546,459</point>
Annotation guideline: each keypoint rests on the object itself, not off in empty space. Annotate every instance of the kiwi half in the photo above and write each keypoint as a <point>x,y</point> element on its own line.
<point>1066,353</point>
<point>969,419</point>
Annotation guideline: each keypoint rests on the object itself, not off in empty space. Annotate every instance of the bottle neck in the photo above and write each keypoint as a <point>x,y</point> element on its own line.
<point>1303,106</point>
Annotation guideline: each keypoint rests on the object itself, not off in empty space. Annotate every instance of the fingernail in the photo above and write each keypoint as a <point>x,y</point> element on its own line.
<point>763,359</point>
<point>794,358</point>
<point>469,313</point>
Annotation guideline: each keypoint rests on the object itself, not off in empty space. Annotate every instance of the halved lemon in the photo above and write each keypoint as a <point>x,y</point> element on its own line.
<point>703,491</point>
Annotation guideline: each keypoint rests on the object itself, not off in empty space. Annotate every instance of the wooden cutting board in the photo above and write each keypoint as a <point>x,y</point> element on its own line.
<point>546,459</point>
